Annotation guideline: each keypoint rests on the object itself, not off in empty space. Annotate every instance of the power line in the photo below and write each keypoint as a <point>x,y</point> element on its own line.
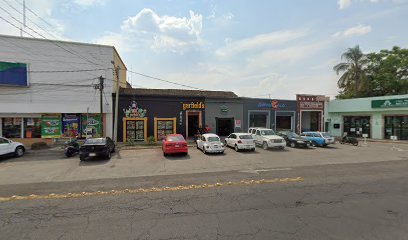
<point>34,14</point>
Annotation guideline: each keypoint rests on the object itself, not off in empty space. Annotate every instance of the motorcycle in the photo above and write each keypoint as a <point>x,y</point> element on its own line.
<point>351,140</point>
<point>71,147</point>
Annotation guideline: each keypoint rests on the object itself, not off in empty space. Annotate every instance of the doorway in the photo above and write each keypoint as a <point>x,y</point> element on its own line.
<point>283,123</point>
<point>225,126</point>
<point>193,122</point>
<point>311,121</point>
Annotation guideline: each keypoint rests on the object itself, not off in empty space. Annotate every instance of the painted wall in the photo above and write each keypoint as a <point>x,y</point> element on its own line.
<point>337,109</point>
<point>233,108</point>
<point>45,93</point>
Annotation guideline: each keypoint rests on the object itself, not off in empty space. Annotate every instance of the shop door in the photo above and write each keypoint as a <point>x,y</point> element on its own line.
<point>225,126</point>
<point>283,123</point>
<point>356,126</point>
<point>193,124</point>
<point>396,126</point>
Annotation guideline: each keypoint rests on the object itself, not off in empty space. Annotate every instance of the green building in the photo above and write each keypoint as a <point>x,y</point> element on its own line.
<point>375,117</point>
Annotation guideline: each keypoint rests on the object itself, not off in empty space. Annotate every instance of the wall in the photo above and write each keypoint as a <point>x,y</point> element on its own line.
<point>57,92</point>
<point>337,109</point>
<point>213,107</point>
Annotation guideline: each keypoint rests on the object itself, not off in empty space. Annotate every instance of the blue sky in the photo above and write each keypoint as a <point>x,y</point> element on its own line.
<point>254,48</point>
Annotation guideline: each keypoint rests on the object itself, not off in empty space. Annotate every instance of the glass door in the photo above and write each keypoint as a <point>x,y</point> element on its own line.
<point>135,130</point>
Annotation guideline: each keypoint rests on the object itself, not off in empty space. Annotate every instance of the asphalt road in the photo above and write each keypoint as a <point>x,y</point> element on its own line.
<point>342,201</point>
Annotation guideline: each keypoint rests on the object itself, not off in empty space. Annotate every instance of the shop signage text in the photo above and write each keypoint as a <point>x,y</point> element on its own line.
<point>193,105</point>
<point>50,126</point>
<point>390,103</point>
<point>223,109</point>
<point>274,104</point>
<point>311,105</point>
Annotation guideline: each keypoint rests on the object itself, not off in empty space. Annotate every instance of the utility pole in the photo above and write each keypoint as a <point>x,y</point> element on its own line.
<point>115,127</point>
<point>100,86</point>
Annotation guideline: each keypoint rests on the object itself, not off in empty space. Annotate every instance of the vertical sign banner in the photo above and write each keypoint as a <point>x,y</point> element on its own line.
<point>237,123</point>
<point>91,125</point>
<point>71,125</point>
<point>13,74</point>
<point>50,126</point>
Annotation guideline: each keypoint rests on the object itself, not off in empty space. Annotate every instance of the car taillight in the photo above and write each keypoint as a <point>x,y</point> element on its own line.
<point>239,141</point>
<point>168,144</point>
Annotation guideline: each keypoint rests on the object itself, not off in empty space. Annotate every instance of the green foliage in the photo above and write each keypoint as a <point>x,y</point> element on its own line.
<point>373,74</point>
<point>130,142</point>
<point>150,140</point>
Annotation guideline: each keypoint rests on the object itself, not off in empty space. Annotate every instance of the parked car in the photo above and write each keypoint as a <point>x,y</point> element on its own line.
<point>174,143</point>
<point>9,147</point>
<point>240,141</point>
<point>210,143</point>
<point>97,147</point>
<point>294,140</point>
<point>267,138</point>
<point>321,139</point>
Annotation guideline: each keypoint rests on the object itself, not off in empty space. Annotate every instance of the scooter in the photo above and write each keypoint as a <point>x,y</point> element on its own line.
<point>71,147</point>
<point>351,140</point>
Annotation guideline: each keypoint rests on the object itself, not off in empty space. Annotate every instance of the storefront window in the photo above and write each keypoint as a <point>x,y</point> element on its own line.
<point>32,127</point>
<point>135,130</point>
<point>283,123</point>
<point>396,126</point>
<point>356,126</point>
<point>258,120</point>
<point>11,127</point>
<point>164,128</point>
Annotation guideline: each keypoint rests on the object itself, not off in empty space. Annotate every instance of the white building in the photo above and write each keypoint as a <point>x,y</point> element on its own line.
<point>54,81</point>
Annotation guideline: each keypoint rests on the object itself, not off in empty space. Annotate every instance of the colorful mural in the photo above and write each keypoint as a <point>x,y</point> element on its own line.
<point>134,111</point>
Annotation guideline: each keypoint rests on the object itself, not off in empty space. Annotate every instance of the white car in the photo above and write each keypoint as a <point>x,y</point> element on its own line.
<point>240,141</point>
<point>9,147</point>
<point>267,138</point>
<point>210,143</point>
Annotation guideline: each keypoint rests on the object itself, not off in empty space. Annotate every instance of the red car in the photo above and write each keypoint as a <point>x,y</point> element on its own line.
<point>174,143</point>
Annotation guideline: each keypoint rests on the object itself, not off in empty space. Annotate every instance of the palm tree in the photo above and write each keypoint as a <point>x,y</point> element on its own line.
<point>353,80</point>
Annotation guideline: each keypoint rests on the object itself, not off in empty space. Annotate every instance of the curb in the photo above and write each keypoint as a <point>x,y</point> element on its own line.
<point>144,147</point>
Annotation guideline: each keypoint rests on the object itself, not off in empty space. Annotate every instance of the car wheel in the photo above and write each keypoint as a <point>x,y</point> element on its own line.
<point>205,152</point>
<point>82,158</point>
<point>265,145</point>
<point>236,148</point>
<point>113,150</point>
<point>292,144</point>
<point>314,144</point>
<point>19,152</point>
<point>164,154</point>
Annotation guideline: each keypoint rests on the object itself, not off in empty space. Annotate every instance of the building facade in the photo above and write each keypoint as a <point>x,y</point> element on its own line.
<point>47,88</point>
<point>310,112</point>
<point>377,117</point>
<point>224,115</point>
<point>279,115</point>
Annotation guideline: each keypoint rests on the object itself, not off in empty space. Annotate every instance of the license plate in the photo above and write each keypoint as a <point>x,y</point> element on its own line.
<point>177,145</point>
<point>215,146</point>
<point>92,154</point>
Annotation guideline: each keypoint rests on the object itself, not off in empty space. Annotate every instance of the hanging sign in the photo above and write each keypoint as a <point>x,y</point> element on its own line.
<point>51,126</point>
<point>71,125</point>
<point>237,123</point>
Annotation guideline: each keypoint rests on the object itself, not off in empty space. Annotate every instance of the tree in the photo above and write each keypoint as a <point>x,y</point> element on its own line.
<point>352,82</point>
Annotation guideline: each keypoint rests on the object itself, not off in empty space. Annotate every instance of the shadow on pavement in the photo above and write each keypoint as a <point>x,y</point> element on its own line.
<point>93,162</point>
<point>177,157</point>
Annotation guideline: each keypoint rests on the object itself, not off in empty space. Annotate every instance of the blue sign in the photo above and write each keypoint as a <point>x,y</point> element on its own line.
<point>13,74</point>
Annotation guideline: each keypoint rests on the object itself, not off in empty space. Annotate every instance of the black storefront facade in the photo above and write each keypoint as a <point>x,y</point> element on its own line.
<point>279,115</point>
<point>145,112</point>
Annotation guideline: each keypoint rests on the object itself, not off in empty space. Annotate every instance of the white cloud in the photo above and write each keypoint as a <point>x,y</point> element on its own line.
<point>259,42</point>
<point>161,33</point>
<point>344,3</point>
<point>354,31</point>
<point>87,3</point>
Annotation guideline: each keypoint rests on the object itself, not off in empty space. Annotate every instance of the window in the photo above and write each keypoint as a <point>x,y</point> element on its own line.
<point>258,133</point>
<point>396,126</point>
<point>135,130</point>
<point>245,137</point>
<point>12,127</point>
<point>258,119</point>
<point>356,126</point>
<point>3,141</point>
<point>233,136</point>
<point>32,127</point>
<point>316,135</point>
<point>253,131</point>
<point>164,128</point>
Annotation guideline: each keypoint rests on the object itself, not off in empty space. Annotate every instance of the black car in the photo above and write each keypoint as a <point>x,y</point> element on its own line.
<point>97,147</point>
<point>294,140</point>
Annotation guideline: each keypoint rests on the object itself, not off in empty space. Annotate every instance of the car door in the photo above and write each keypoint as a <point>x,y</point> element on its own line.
<point>258,137</point>
<point>200,142</point>
<point>227,140</point>
<point>232,140</point>
<point>4,146</point>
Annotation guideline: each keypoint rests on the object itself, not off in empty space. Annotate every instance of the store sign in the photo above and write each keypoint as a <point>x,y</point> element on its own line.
<point>50,126</point>
<point>223,109</point>
<point>13,74</point>
<point>311,105</point>
<point>274,104</point>
<point>91,125</point>
<point>193,105</point>
<point>134,111</point>
<point>390,103</point>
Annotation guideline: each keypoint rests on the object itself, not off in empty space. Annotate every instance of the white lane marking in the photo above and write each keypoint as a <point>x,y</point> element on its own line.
<point>257,171</point>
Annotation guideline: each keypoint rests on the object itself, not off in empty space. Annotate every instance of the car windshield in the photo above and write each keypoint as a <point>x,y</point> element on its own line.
<point>267,132</point>
<point>213,139</point>
<point>326,134</point>
<point>95,141</point>
<point>175,138</point>
<point>245,137</point>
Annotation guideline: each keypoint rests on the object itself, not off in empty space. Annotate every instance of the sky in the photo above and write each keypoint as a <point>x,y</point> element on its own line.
<point>257,48</point>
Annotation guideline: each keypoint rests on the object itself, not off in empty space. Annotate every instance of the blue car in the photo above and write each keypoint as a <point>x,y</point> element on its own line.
<point>321,139</point>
